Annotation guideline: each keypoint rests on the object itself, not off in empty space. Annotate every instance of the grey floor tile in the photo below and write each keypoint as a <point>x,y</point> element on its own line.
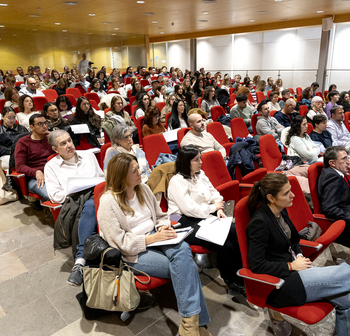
<point>10,266</point>
<point>164,327</point>
<point>32,285</point>
<point>17,238</point>
<point>65,302</point>
<point>38,318</point>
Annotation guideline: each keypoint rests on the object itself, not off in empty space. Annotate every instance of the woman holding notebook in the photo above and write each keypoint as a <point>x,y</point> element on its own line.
<point>130,219</point>
<point>191,195</point>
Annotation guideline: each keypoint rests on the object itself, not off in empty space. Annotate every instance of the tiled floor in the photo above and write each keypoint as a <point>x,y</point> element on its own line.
<point>35,299</point>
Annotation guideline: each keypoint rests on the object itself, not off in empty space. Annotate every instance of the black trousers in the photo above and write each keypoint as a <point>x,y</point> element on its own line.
<point>229,259</point>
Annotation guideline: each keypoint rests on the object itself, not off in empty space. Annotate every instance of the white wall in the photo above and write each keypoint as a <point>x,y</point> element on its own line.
<point>179,54</point>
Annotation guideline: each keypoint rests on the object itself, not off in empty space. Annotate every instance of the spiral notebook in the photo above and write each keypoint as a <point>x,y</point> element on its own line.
<point>181,235</point>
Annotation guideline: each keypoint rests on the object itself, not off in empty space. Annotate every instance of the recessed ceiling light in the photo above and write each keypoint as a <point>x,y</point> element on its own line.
<point>106,22</point>
<point>113,34</point>
<point>3,5</point>
<point>140,1</point>
<point>154,21</point>
<point>116,28</point>
<point>148,13</point>
<point>70,3</point>
<point>161,33</point>
<point>64,31</point>
<point>319,12</point>
<point>91,14</point>
<point>209,1</point>
<point>57,23</point>
<point>89,33</point>
<point>34,29</point>
<point>34,15</point>
<point>202,20</point>
<point>200,27</point>
<point>1,26</point>
<point>251,20</point>
<point>262,12</point>
<point>278,0</point>
<point>205,13</point>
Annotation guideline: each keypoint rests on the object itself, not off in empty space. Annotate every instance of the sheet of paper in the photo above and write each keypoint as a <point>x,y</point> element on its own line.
<point>80,129</point>
<point>181,235</point>
<point>208,220</point>
<point>216,231</point>
<point>171,135</point>
<point>76,184</point>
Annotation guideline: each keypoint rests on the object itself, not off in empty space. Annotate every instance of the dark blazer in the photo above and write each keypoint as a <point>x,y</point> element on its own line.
<point>334,195</point>
<point>269,253</point>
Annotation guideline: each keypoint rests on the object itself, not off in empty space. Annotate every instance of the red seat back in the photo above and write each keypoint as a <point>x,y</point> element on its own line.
<point>199,101</point>
<point>161,105</point>
<point>319,94</point>
<point>92,96</point>
<point>51,95</point>
<point>217,131</point>
<point>74,92</point>
<point>309,128</point>
<point>167,116</point>
<point>138,124</point>
<point>94,105</point>
<point>346,120</point>
<point>303,110</point>
<point>103,153</point>
<point>71,99</point>
<point>314,172</point>
<point>2,104</point>
<point>217,173</point>
<point>98,191</point>
<point>291,91</point>
<point>216,112</point>
<point>238,128</point>
<point>144,82</point>
<point>325,93</point>
<point>250,98</point>
<point>260,96</point>
<point>39,103</point>
<point>153,145</point>
<point>299,98</point>
<point>133,110</point>
<point>232,99</point>
<point>269,152</point>
<point>127,80</point>
<point>299,90</point>
<point>180,134</point>
<point>253,121</point>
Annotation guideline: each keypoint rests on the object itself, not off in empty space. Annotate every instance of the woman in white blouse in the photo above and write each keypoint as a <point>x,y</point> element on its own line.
<point>191,195</point>
<point>273,103</point>
<point>26,109</point>
<point>159,95</point>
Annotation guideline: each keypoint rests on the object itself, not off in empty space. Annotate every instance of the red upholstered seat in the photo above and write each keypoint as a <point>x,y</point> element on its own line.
<point>39,103</point>
<point>216,112</point>
<point>269,153</point>
<point>217,131</point>
<point>238,128</point>
<point>50,94</point>
<point>180,134</point>
<point>153,145</point>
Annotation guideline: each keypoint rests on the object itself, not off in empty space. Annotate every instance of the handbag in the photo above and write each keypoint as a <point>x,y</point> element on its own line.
<point>94,246</point>
<point>113,289</point>
<point>310,232</point>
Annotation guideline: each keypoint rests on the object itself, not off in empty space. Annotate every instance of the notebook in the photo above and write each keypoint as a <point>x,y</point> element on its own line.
<point>181,235</point>
<point>214,230</point>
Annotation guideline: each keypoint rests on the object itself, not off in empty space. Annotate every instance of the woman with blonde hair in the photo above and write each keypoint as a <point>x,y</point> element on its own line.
<point>168,106</point>
<point>226,83</point>
<point>130,220</point>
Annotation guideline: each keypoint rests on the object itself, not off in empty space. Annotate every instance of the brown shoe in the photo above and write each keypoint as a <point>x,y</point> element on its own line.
<point>203,331</point>
<point>189,326</point>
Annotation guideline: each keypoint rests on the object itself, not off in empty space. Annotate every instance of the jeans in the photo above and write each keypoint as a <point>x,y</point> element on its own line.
<point>33,187</point>
<point>87,225</point>
<point>175,262</point>
<point>331,284</point>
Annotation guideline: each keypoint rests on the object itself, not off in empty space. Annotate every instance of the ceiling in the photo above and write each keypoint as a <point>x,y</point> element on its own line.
<point>172,17</point>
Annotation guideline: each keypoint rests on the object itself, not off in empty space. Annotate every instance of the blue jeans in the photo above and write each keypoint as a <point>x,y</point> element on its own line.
<point>87,225</point>
<point>33,187</point>
<point>331,283</point>
<point>175,262</point>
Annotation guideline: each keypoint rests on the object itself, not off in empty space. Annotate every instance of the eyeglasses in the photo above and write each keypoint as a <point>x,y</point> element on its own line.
<point>31,83</point>
<point>126,137</point>
<point>87,104</point>
<point>11,118</point>
<point>41,124</point>
<point>53,110</point>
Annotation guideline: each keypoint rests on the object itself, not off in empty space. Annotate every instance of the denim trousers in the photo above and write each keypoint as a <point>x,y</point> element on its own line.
<point>175,262</point>
<point>33,187</point>
<point>87,225</point>
<point>332,284</point>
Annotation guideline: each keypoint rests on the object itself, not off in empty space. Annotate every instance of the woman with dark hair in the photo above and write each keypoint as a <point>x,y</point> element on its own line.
<point>136,87</point>
<point>207,79</point>
<point>274,249</point>
<point>53,117</point>
<point>55,76</point>
<point>344,101</point>
<point>84,114</point>
<point>90,76</point>
<point>12,97</point>
<point>64,106</point>
<point>130,220</point>
<point>209,100</point>
<point>246,81</point>
<point>26,109</point>
<point>142,104</point>
<point>178,117</point>
<point>331,88</point>
<point>307,95</point>
<point>190,101</point>
<point>178,91</point>
<point>61,87</point>
<point>116,87</point>
<point>101,76</point>
<point>160,94</point>
<point>191,195</point>
<point>151,122</point>
<point>214,84</point>
<point>97,88</point>
<point>299,143</point>
<point>198,87</point>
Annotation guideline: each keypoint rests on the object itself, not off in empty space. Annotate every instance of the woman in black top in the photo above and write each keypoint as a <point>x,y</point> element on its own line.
<point>101,75</point>
<point>344,101</point>
<point>90,76</point>
<point>61,87</point>
<point>273,248</point>
<point>53,117</point>
<point>198,87</point>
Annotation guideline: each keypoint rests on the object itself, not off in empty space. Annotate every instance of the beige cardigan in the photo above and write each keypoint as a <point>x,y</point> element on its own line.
<point>115,229</point>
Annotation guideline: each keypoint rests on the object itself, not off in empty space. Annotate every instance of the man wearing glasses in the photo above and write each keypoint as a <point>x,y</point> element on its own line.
<point>30,89</point>
<point>31,154</point>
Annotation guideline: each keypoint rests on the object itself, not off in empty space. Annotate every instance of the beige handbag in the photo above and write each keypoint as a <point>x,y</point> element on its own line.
<point>112,290</point>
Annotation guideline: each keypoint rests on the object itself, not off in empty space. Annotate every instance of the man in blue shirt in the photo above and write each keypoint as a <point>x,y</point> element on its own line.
<point>269,84</point>
<point>286,115</point>
<point>129,72</point>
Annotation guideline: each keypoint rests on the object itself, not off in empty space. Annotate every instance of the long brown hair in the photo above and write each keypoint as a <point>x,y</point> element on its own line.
<point>270,184</point>
<point>149,114</point>
<point>117,173</point>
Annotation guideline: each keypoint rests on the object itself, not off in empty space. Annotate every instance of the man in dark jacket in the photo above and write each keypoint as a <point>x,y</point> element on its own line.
<point>334,189</point>
<point>8,131</point>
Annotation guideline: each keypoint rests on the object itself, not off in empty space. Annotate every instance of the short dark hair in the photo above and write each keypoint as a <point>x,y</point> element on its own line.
<point>183,160</point>
<point>332,93</point>
<point>241,98</point>
<point>6,110</point>
<point>318,118</point>
<point>285,91</point>
<point>63,99</point>
<point>335,108</point>
<point>33,117</point>
<point>262,103</point>
<point>315,84</point>
<point>331,153</point>
<point>272,93</point>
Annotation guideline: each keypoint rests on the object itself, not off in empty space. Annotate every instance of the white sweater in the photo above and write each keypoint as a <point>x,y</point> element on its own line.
<point>192,197</point>
<point>303,147</point>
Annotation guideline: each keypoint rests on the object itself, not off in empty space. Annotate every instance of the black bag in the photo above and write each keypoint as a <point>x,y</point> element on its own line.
<point>296,160</point>
<point>94,246</point>
<point>310,232</point>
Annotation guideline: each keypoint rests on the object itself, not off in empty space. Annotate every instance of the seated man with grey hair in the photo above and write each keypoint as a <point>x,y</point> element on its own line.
<point>200,138</point>
<point>72,163</point>
<point>337,128</point>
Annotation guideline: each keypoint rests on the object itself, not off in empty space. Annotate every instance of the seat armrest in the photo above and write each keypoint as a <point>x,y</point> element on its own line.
<point>18,175</point>
<point>310,244</point>
<point>51,205</point>
<point>264,278</point>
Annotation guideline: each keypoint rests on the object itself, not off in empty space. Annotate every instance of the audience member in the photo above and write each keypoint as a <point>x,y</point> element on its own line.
<point>285,96</point>
<point>279,84</point>
<point>261,87</point>
<point>179,93</point>
<point>236,80</point>
<point>307,96</point>
<point>336,126</point>
<point>198,88</point>
<point>331,88</point>
<point>242,110</point>
<point>30,89</point>
<point>160,94</point>
<point>286,115</point>
<point>273,103</point>
<point>64,106</point>
<point>209,100</point>
<point>178,116</point>
<point>190,101</point>
<point>317,105</point>
<point>83,64</point>
<point>256,79</point>
<point>61,87</point>
<point>12,97</point>
<point>53,117</point>
<point>101,76</point>
<point>90,75</point>
<point>200,138</point>
<point>344,101</point>
<point>226,83</point>
<point>252,90</point>
<point>9,82</point>
<point>319,135</point>
<point>151,122</point>
<point>26,109</point>
<point>20,76</point>
<point>142,104</point>
<point>129,72</point>
<point>314,86</point>
<point>97,88</point>
<point>333,97</point>
<point>174,80</point>
<point>269,84</point>
<point>168,87</point>
<point>168,106</point>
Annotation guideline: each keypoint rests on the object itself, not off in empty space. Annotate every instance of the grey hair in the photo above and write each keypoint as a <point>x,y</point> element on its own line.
<point>52,138</point>
<point>118,133</point>
<point>315,99</point>
<point>289,101</point>
<point>335,108</point>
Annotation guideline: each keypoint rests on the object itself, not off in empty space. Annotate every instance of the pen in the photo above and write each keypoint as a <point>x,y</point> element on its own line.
<point>183,230</point>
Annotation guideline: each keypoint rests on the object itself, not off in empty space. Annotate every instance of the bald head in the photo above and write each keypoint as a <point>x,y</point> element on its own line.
<point>289,106</point>
<point>192,118</point>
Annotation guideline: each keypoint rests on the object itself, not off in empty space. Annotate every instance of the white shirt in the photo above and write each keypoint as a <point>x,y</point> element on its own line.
<point>30,93</point>
<point>192,197</point>
<point>139,113</point>
<point>19,78</point>
<point>141,223</point>
<point>23,118</point>
<point>83,66</point>
<point>58,170</point>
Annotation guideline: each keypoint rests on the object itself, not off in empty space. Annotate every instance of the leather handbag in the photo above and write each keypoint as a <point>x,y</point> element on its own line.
<point>113,289</point>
